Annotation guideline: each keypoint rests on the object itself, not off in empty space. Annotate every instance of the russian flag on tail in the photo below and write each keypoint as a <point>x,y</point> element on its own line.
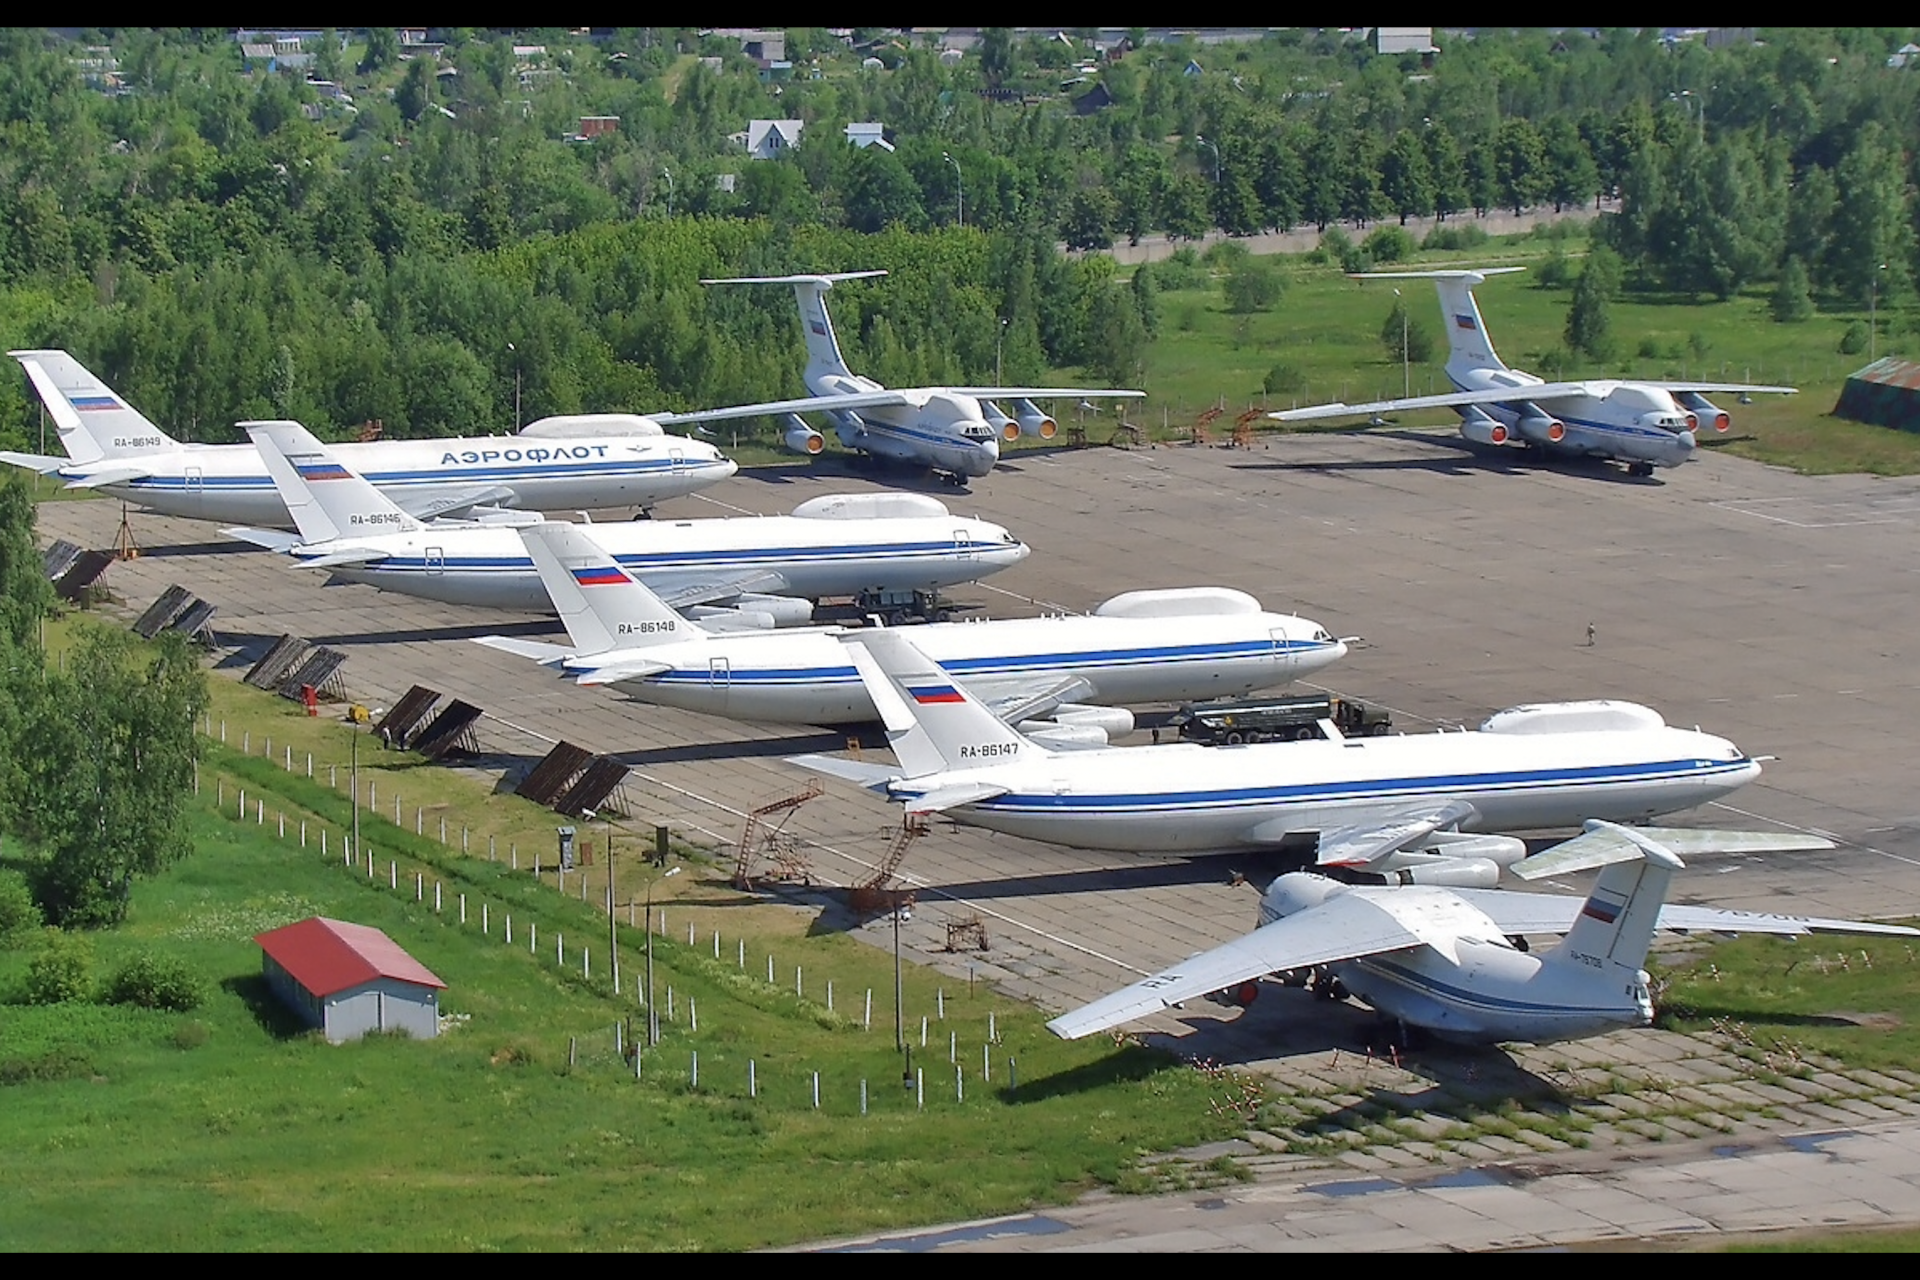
<point>95,404</point>
<point>321,471</point>
<point>600,576</point>
<point>1465,322</point>
<point>1598,908</point>
<point>932,694</point>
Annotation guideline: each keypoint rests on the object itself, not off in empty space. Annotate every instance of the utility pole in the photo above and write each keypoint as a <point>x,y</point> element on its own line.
<point>899,1015</point>
<point>1406,368</point>
<point>353,784</point>
<point>653,1018</point>
<point>613,928</point>
<point>959,191</point>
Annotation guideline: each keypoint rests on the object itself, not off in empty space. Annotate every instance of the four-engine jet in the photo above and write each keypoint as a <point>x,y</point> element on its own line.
<point>1643,424</point>
<point>833,546</point>
<point>1076,672</point>
<point>580,462</point>
<point>1426,808</point>
<point>955,431</point>
<point>1446,961</point>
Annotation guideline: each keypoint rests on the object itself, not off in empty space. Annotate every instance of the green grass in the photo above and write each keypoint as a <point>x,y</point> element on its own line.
<point>1856,1000</point>
<point>257,1134</point>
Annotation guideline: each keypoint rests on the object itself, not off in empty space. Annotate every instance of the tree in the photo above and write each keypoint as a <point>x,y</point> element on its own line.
<point>415,93</point>
<point>1407,179</point>
<point>383,49</point>
<point>1404,337</point>
<point>109,755</point>
<point>1252,285</point>
<point>1872,243</point>
<point>1793,297</point>
<point>1519,164</point>
<point>1589,327</point>
<point>1090,218</point>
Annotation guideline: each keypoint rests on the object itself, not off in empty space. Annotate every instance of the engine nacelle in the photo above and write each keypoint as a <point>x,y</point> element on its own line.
<point>799,437</point>
<point>1704,410</point>
<point>570,426</point>
<point>1481,428</point>
<point>1115,722</point>
<point>1540,426</point>
<point>1450,873</point>
<point>1032,421</point>
<point>786,611</point>
<point>1236,997</point>
<point>1005,427</point>
<point>1502,851</point>
<point>891,505</point>
<point>1053,734</point>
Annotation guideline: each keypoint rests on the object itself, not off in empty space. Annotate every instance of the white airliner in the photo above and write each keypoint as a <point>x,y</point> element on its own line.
<point>578,462</point>
<point>955,431</point>
<point>1643,424</point>
<point>1453,962</point>
<point>1422,808</point>
<point>1145,646</point>
<point>766,567</point>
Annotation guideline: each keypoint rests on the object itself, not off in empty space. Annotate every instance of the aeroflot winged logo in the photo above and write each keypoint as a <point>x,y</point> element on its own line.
<point>930,694</point>
<point>95,404</point>
<point>600,575</point>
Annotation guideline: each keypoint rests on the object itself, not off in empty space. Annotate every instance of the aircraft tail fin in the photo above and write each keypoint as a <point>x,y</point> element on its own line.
<point>933,725</point>
<point>823,349</point>
<point>1617,921</point>
<point>602,605</point>
<point>326,500</point>
<point>93,421</point>
<point>1469,347</point>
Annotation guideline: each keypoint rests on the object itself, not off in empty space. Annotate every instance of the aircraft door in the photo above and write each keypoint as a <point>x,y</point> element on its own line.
<point>963,544</point>
<point>719,679</point>
<point>436,558</point>
<point>196,488</point>
<point>678,457</point>
<point>1283,655</point>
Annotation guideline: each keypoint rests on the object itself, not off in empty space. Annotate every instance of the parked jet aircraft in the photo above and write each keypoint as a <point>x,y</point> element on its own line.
<point>1145,646</point>
<point>1643,424</point>
<point>868,545</point>
<point>952,430</point>
<point>1419,808</point>
<point>578,462</point>
<point>1447,960</point>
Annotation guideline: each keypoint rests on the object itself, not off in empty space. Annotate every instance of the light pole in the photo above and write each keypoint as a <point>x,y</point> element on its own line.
<point>653,1018</point>
<point>353,784</point>
<point>613,930</point>
<point>899,1015</point>
<point>998,340</point>
<point>1873,290</point>
<point>1208,144</point>
<point>668,175</point>
<point>1406,371</point>
<point>959,191</point>
<point>516,386</point>
<point>1696,106</point>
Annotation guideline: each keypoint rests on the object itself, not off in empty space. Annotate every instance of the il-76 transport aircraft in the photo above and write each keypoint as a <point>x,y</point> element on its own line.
<point>574,463</point>
<point>765,569</point>
<point>1446,961</point>
<point>1063,680</point>
<point>955,431</point>
<point>1428,808</point>
<point>1643,424</point>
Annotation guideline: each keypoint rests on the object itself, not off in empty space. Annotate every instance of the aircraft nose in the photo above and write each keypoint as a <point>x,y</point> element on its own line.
<point>1685,441</point>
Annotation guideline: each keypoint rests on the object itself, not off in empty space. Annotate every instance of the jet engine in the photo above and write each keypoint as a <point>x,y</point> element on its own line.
<point>1450,873</point>
<point>1704,410</point>
<point>1032,421</point>
<point>1238,996</point>
<point>1005,427</point>
<point>799,437</point>
<point>1480,427</point>
<point>1540,426</point>
<point>1115,722</point>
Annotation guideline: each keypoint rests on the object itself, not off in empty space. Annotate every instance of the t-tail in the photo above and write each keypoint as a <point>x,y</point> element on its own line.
<point>823,350</point>
<point>326,500</point>
<point>1617,921</point>
<point>1469,347</point>
<point>933,725</point>
<point>602,605</point>
<point>94,422</point>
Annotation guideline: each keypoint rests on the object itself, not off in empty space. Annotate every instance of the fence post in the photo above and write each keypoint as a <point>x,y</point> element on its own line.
<point>940,1003</point>
<point>816,1091</point>
<point>463,908</point>
<point>419,885</point>
<point>753,1089</point>
<point>867,1022</point>
<point>695,1082</point>
<point>920,1088</point>
<point>484,927</point>
<point>829,995</point>
<point>436,895</point>
<point>863,1097</point>
<point>693,1016</point>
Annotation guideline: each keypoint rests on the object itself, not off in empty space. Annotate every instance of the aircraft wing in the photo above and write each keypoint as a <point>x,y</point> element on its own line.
<point>872,776</point>
<point>1344,927</point>
<point>423,506</point>
<point>1492,395</point>
<point>1017,700</point>
<point>547,655</point>
<point>1717,386</point>
<point>1042,393</point>
<point>1363,844</point>
<point>40,462</point>
<point>804,404</point>
<point>1519,913</point>
<point>678,591</point>
<point>1599,846</point>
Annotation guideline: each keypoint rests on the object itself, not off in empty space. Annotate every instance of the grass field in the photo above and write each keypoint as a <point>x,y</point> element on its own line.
<point>231,1127</point>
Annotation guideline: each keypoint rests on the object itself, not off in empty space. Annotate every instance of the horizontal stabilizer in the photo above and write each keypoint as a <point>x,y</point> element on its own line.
<point>819,277</point>
<point>1600,847</point>
<point>873,776</point>
<point>40,462</point>
<point>547,655</point>
<point>638,669</point>
<point>111,475</point>
<point>940,799</point>
<point>346,558</point>
<point>1542,913</point>
<point>269,539</point>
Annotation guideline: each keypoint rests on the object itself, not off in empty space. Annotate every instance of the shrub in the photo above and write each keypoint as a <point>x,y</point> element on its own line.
<point>1181,270</point>
<point>1463,235</point>
<point>19,915</point>
<point>1649,348</point>
<point>190,1034</point>
<point>1389,244</point>
<point>1224,255</point>
<point>1854,340</point>
<point>1555,272</point>
<point>1252,286</point>
<point>54,1064</point>
<point>62,971</point>
<point>155,982</point>
<point>1284,378</point>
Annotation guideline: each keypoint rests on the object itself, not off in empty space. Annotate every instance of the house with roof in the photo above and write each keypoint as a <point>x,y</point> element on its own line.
<point>349,979</point>
<point>766,139</point>
<point>868,133</point>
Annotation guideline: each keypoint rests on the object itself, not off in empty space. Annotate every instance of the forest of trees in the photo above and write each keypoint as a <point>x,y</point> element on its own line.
<point>221,241</point>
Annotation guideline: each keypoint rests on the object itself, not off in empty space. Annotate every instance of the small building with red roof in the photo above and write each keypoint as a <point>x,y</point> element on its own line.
<point>350,979</point>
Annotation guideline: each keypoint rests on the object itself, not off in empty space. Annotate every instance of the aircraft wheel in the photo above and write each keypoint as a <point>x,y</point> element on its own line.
<point>643,514</point>
<point>1640,469</point>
